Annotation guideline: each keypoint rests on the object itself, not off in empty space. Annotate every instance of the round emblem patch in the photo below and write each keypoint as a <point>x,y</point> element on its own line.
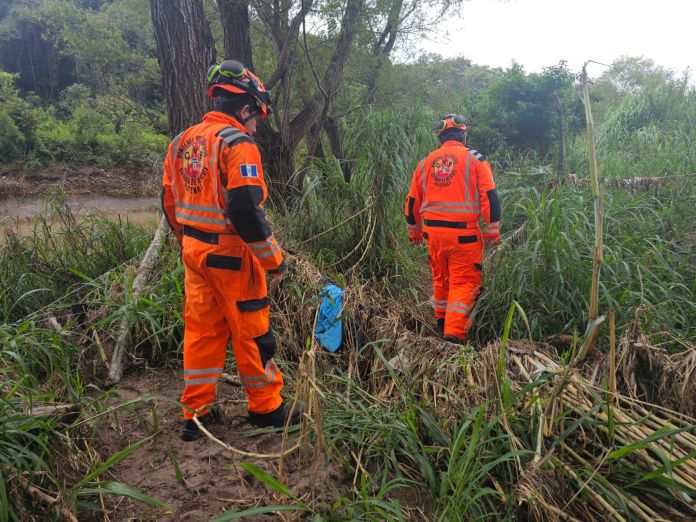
<point>192,154</point>
<point>442,169</point>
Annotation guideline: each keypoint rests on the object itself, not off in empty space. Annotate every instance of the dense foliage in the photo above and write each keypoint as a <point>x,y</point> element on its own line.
<point>81,86</point>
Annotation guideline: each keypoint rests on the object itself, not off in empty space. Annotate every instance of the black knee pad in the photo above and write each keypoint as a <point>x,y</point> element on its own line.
<point>267,346</point>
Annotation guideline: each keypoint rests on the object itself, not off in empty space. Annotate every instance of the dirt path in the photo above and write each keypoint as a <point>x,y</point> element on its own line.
<point>213,482</point>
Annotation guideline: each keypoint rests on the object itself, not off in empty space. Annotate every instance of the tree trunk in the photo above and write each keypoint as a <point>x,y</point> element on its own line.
<point>315,113</point>
<point>331,128</point>
<point>278,161</point>
<point>235,27</point>
<point>185,50</point>
<point>383,48</point>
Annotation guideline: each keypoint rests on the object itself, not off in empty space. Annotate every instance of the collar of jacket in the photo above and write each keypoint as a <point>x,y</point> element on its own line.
<point>452,143</point>
<point>221,117</point>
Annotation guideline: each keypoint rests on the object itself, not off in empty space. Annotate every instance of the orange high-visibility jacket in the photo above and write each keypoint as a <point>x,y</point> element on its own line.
<point>213,181</point>
<point>453,184</point>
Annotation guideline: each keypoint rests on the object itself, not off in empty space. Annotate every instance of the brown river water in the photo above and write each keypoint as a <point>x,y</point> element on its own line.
<point>19,214</point>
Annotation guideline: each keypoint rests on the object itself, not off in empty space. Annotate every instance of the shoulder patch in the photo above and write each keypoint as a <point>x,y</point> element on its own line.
<point>478,155</point>
<point>249,171</point>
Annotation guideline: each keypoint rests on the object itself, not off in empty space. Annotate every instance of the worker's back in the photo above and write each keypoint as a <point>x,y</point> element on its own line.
<point>197,184</point>
<point>450,183</point>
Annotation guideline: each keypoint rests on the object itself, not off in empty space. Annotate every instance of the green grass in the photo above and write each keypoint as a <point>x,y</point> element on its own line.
<point>648,261</point>
<point>458,462</point>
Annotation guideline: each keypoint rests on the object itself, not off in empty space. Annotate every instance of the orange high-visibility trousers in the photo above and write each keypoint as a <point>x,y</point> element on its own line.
<point>225,288</point>
<point>455,262</point>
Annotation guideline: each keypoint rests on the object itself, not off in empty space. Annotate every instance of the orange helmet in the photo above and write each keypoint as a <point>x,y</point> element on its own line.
<point>450,121</point>
<point>232,76</point>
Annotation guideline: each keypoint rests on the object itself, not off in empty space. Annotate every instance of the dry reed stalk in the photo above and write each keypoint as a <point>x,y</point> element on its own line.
<point>598,201</point>
<point>307,393</point>
<point>650,373</point>
<point>612,358</point>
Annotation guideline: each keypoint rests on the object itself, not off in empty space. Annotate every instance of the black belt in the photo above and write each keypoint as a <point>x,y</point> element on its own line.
<point>207,237</point>
<point>444,224</point>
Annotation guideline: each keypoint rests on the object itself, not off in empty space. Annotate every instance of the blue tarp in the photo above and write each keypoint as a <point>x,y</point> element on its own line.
<point>329,330</point>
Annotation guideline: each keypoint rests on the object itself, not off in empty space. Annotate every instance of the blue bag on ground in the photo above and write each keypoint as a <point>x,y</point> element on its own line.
<point>329,329</point>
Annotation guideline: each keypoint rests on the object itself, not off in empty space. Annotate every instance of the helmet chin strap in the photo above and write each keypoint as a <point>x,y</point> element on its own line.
<point>252,115</point>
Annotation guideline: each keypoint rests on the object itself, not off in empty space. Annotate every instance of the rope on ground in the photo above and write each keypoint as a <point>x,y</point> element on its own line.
<point>242,452</point>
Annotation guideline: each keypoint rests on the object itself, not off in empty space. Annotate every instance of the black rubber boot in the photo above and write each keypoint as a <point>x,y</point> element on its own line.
<point>454,339</point>
<point>277,417</point>
<point>191,432</point>
<point>440,325</point>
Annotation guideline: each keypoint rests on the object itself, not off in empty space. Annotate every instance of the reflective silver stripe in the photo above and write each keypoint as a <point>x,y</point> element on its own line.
<point>415,227</point>
<point>452,210</point>
<point>193,382</point>
<point>462,305</point>
<point>270,380</point>
<point>212,163</point>
<point>270,363</point>
<point>252,380</point>
<point>214,221</point>
<point>457,311</point>
<point>426,204</point>
<point>231,137</point>
<point>269,253</point>
<point>226,131</point>
<point>175,147</point>
<point>260,245</point>
<point>200,208</point>
<point>461,309</point>
<point>466,176</point>
<point>214,154</point>
<point>423,175</point>
<point>202,371</point>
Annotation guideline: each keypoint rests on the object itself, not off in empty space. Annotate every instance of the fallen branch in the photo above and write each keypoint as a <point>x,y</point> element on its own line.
<point>142,274</point>
<point>45,498</point>
<point>55,410</point>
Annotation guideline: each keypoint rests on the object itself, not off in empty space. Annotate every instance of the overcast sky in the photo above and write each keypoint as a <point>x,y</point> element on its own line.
<point>538,33</point>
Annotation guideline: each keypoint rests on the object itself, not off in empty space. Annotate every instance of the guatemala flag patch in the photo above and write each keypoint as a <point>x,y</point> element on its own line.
<point>249,171</point>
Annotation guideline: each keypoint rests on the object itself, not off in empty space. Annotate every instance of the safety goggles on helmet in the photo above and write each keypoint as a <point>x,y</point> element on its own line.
<point>450,121</point>
<point>232,76</point>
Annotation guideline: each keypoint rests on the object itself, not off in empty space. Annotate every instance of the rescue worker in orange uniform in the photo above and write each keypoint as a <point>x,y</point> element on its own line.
<point>451,189</point>
<point>213,192</point>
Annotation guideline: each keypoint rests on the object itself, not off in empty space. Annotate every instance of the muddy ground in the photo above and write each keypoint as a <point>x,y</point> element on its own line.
<point>212,481</point>
<point>115,182</point>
